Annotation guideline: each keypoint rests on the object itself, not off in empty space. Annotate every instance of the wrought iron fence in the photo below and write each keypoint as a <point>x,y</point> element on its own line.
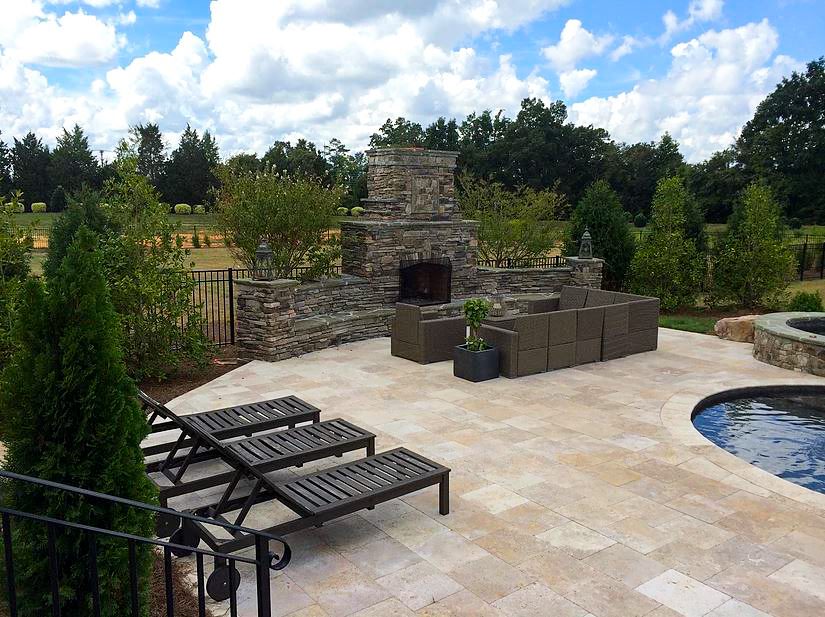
<point>811,260</point>
<point>556,261</point>
<point>221,585</point>
<point>214,296</point>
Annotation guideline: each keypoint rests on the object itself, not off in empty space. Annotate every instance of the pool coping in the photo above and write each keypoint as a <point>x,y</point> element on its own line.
<point>777,325</point>
<point>676,415</point>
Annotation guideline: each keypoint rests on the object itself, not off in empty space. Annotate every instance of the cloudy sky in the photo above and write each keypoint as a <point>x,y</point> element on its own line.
<point>253,71</point>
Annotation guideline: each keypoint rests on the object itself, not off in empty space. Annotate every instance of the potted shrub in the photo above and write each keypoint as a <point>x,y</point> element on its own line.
<point>475,360</point>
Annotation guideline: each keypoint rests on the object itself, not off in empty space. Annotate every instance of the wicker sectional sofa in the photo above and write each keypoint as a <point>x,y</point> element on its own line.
<point>577,326</point>
<point>422,338</point>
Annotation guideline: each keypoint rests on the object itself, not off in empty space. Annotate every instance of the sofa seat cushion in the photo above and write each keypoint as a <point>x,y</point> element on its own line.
<point>532,361</point>
<point>588,351</point>
<point>643,340</point>
<point>561,356</point>
<point>615,347</point>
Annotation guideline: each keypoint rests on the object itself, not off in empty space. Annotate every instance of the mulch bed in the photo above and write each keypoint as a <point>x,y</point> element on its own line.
<point>189,377</point>
<point>716,313</point>
<point>185,592</point>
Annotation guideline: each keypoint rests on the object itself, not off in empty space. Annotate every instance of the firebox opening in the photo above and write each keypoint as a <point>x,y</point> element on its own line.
<point>425,281</point>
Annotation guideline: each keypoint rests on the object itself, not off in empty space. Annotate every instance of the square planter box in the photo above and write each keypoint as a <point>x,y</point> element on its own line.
<point>475,365</point>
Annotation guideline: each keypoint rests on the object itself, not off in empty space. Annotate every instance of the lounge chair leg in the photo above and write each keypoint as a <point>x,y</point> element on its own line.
<point>371,448</point>
<point>444,495</point>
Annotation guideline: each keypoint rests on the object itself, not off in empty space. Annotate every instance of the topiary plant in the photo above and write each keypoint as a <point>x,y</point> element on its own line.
<point>806,302</point>
<point>475,310</point>
<point>207,241</point>
<point>640,220</point>
<point>342,211</point>
<point>794,223</point>
<point>196,240</point>
<point>183,209</point>
<point>357,211</point>
<point>199,209</point>
<point>38,207</point>
<point>58,201</point>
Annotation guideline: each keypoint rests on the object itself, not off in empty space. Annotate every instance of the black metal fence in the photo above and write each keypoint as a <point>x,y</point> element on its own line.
<point>221,584</point>
<point>811,260</point>
<point>529,262</point>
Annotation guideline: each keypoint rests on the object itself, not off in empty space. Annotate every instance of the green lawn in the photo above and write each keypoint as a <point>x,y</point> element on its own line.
<point>688,323</point>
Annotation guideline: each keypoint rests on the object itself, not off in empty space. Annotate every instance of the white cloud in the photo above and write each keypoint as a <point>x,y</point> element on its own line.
<point>96,4</point>
<point>698,11</point>
<point>712,88</point>
<point>628,44</point>
<point>575,43</point>
<point>573,82</point>
<point>149,4</point>
<point>126,19</point>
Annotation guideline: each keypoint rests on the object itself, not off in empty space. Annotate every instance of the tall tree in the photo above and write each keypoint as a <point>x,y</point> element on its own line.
<point>716,183</point>
<point>70,414</point>
<point>640,167</point>
<point>402,132</point>
<point>189,173</point>
<point>302,159</point>
<point>72,163</point>
<point>784,143</point>
<point>5,168</point>
<point>30,161</point>
<point>442,135</point>
<point>150,151</point>
<point>347,170</point>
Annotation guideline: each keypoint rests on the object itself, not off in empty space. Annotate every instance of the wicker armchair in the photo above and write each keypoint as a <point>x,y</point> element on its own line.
<point>418,337</point>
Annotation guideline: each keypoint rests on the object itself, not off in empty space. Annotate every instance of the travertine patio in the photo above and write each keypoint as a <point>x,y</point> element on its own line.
<point>579,492</point>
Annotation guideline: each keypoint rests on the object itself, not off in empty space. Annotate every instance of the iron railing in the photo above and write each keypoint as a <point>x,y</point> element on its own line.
<point>221,585</point>
<point>556,261</point>
<point>811,260</point>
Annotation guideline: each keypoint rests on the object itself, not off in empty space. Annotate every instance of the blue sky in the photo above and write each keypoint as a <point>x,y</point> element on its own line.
<point>253,71</point>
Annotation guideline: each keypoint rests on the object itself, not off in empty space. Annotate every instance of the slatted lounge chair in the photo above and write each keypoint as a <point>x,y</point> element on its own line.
<point>230,421</point>
<point>316,498</point>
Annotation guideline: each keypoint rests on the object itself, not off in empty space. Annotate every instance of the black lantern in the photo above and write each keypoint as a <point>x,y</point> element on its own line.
<point>586,246</point>
<point>263,262</point>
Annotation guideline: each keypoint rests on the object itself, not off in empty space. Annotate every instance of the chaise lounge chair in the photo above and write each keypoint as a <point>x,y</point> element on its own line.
<point>316,497</point>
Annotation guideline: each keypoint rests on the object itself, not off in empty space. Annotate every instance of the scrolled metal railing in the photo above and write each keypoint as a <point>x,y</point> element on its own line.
<point>220,585</point>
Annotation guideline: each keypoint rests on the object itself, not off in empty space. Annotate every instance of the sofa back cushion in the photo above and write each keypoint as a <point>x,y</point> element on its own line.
<point>599,297</point>
<point>405,324</point>
<point>572,298</point>
<point>532,331</point>
<point>543,305</point>
<point>561,326</point>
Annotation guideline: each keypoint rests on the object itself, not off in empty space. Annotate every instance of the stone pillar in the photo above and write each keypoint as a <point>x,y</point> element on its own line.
<point>264,316</point>
<point>586,272</point>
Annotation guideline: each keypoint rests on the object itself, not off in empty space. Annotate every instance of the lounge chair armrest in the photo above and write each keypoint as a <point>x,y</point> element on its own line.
<point>507,343</point>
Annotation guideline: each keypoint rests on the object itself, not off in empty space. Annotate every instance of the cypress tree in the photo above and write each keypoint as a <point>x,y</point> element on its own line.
<point>70,415</point>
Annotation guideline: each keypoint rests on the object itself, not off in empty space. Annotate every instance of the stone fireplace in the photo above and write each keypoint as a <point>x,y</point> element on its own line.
<point>410,211</point>
<point>425,281</point>
<point>411,245</point>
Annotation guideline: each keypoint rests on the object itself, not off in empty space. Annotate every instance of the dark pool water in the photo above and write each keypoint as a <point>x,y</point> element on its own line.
<point>780,433</point>
<point>814,325</point>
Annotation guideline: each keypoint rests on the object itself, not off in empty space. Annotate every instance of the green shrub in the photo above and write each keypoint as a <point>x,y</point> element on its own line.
<point>196,240</point>
<point>640,220</point>
<point>183,209</point>
<point>38,207</point>
<point>752,264</point>
<point>146,270</point>
<point>475,310</point>
<point>293,214</point>
<point>794,223</point>
<point>20,207</point>
<point>70,414</point>
<point>512,225</point>
<point>199,209</point>
<point>357,211</point>
<point>15,252</point>
<point>58,201</point>
<point>342,211</point>
<point>628,216</point>
<point>207,241</point>
<point>806,302</point>
<point>666,264</point>
<point>600,212</point>
<point>179,241</point>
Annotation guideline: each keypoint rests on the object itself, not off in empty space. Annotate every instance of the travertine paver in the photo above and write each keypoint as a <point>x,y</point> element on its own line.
<point>579,492</point>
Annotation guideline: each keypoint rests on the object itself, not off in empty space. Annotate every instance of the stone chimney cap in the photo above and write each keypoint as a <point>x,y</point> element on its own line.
<point>410,150</point>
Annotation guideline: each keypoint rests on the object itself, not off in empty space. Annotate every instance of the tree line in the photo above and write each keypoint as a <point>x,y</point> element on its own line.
<point>783,145</point>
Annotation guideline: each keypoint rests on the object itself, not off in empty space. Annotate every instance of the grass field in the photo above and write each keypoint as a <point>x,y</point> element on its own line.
<point>688,323</point>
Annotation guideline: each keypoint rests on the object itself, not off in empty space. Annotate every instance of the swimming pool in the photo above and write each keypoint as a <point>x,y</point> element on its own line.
<point>778,429</point>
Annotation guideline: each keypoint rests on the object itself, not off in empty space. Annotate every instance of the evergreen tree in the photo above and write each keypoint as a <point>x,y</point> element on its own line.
<point>70,415</point>
<point>58,201</point>
<point>150,151</point>
<point>30,161</point>
<point>752,264</point>
<point>666,264</point>
<point>5,169</point>
<point>600,212</point>
<point>442,135</point>
<point>72,163</point>
<point>401,133</point>
<point>189,172</point>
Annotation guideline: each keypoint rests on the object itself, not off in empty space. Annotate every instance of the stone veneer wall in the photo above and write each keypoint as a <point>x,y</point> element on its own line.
<point>334,295</point>
<point>788,354</point>
<point>374,250</point>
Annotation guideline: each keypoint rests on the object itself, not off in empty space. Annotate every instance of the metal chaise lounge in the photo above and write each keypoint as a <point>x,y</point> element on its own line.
<point>230,421</point>
<point>316,498</point>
